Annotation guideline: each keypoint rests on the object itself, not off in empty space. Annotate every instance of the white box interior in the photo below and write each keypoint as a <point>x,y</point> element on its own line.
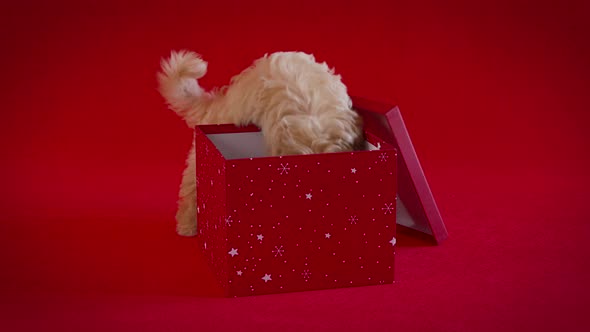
<point>248,145</point>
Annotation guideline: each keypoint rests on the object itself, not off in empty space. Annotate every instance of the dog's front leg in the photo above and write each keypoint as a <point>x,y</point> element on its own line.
<point>186,216</point>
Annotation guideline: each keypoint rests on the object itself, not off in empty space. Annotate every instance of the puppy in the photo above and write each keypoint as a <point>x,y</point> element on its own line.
<point>300,105</point>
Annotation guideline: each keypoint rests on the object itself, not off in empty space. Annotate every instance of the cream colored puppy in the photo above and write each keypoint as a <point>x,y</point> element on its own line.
<point>300,105</point>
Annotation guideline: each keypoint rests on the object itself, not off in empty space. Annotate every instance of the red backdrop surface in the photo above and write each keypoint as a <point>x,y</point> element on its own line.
<point>494,95</point>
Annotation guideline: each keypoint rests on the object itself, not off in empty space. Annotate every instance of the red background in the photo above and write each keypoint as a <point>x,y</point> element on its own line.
<point>494,95</point>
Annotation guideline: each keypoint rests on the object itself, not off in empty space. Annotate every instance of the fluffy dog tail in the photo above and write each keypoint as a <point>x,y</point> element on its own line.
<point>178,81</point>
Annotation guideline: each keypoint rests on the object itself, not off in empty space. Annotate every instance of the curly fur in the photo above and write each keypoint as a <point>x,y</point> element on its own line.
<point>300,105</point>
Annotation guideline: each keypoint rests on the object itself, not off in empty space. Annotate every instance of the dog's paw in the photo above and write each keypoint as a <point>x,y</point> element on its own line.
<point>186,219</point>
<point>186,230</point>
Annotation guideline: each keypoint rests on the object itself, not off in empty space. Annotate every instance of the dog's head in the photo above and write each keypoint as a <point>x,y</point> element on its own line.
<point>337,131</point>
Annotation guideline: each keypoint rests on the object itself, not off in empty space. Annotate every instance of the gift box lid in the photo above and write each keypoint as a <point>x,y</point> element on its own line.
<point>417,209</point>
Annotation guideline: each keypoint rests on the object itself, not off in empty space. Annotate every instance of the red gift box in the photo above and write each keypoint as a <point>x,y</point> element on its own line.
<point>294,223</point>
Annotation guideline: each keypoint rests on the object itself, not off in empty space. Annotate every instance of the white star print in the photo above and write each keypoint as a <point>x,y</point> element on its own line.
<point>383,156</point>
<point>393,241</point>
<point>388,209</point>
<point>260,237</point>
<point>266,278</point>
<point>328,235</point>
<point>228,221</point>
<point>308,196</point>
<point>233,252</point>
<point>239,272</point>
<point>353,170</point>
<point>353,220</point>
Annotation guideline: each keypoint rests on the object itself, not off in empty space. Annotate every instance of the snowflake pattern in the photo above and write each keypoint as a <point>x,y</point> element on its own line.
<point>353,220</point>
<point>306,274</point>
<point>278,251</point>
<point>284,169</point>
<point>383,156</point>
<point>388,209</point>
<point>228,221</point>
